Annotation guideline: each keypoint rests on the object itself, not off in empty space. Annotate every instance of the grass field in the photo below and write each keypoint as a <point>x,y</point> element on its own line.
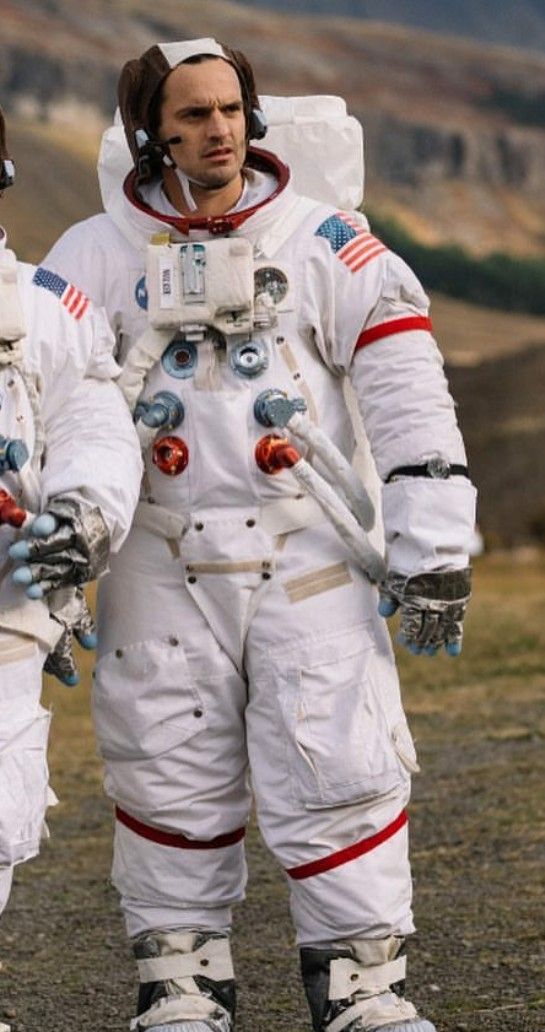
<point>478,847</point>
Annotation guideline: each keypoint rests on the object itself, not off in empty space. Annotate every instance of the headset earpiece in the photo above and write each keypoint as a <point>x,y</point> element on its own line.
<point>257,126</point>
<point>152,154</point>
<point>7,173</point>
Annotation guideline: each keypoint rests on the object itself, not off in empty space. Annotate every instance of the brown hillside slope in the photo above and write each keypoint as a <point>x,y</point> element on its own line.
<point>455,131</point>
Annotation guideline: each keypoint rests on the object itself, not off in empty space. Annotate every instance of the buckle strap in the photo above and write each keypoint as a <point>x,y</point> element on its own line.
<point>347,977</point>
<point>212,960</point>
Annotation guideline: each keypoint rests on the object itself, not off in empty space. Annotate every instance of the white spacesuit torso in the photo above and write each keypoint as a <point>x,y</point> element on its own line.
<point>339,283</point>
<point>237,624</point>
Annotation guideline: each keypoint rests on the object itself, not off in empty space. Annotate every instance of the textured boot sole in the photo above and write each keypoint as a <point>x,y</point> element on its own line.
<point>185,1026</point>
<point>419,1025</point>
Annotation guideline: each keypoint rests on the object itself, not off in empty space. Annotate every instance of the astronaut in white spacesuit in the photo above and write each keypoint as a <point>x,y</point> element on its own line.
<point>70,470</point>
<point>241,642</point>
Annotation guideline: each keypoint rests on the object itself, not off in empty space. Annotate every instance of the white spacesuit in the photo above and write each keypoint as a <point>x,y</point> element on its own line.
<point>66,443</point>
<point>240,638</point>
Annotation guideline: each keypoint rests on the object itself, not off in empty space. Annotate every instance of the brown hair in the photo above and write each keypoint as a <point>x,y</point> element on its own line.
<point>140,95</point>
<point>3,142</point>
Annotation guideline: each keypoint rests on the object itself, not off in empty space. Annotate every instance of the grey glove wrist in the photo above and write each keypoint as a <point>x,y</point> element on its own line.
<point>432,607</point>
<point>69,608</point>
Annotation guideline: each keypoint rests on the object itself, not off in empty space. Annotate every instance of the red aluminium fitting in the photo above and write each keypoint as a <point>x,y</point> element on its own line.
<point>170,455</point>
<point>10,512</point>
<point>274,453</point>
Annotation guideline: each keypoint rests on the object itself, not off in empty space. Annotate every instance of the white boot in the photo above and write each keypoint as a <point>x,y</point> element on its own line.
<point>357,986</point>
<point>187,982</point>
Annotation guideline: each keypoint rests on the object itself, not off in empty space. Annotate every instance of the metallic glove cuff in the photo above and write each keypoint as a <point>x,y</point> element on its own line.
<point>438,588</point>
<point>91,537</point>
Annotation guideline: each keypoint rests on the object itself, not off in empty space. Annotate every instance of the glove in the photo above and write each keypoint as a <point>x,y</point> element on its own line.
<point>68,544</point>
<point>432,608</point>
<point>69,608</point>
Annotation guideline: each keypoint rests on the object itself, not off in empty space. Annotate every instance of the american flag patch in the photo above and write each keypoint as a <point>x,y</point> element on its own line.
<point>73,299</point>
<point>353,244</point>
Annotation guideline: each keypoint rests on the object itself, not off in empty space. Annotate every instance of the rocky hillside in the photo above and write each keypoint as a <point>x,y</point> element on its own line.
<point>511,23</point>
<point>502,415</point>
<point>455,131</point>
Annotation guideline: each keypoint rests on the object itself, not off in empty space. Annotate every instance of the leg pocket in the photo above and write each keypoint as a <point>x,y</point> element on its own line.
<point>24,791</point>
<point>144,701</point>
<point>340,739</point>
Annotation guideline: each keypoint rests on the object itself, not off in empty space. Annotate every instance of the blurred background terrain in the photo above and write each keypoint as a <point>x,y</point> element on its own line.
<point>452,100</point>
<point>455,151</point>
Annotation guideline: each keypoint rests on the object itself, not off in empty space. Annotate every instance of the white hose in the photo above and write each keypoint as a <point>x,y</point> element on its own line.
<point>356,495</point>
<point>342,519</point>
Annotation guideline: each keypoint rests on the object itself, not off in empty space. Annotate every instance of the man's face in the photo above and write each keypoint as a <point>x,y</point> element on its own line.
<point>202,103</point>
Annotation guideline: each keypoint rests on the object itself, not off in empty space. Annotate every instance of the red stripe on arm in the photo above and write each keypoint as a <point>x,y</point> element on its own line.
<point>388,329</point>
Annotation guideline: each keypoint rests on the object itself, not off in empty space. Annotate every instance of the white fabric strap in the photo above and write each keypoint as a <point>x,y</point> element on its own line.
<point>32,621</point>
<point>212,960</point>
<point>160,521</point>
<point>287,514</point>
<point>175,53</point>
<point>347,976</point>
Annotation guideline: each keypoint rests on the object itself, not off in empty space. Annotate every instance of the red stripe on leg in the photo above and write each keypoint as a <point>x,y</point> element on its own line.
<point>344,856</point>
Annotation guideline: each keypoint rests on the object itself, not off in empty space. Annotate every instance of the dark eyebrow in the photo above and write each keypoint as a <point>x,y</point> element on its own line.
<point>205,109</point>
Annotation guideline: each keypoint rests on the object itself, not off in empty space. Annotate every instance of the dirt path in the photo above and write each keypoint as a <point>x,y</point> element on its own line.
<point>478,846</point>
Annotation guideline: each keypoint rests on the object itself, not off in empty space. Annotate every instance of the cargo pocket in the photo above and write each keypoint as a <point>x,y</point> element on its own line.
<point>340,741</point>
<point>144,701</point>
<point>24,790</point>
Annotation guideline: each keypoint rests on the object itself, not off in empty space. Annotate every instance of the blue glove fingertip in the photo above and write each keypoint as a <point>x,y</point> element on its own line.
<point>453,648</point>
<point>19,550</point>
<point>70,680</point>
<point>34,591</point>
<point>88,641</point>
<point>387,607</point>
<point>44,525</point>
<point>431,650</point>
<point>22,575</point>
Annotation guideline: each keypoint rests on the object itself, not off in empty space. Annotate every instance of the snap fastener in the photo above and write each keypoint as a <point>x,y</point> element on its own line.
<point>199,526</point>
<point>354,977</point>
<point>173,641</point>
<point>192,579</point>
<point>198,713</point>
<point>265,576</point>
<point>204,962</point>
<point>119,653</point>
<point>250,523</point>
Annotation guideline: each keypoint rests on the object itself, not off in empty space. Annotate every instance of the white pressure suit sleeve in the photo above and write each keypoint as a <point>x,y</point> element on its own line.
<point>94,254</point>
<point>378,332</point>
<point>92,451</point>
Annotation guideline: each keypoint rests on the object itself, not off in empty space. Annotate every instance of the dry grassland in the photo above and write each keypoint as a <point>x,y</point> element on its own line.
<point>478,845</point>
